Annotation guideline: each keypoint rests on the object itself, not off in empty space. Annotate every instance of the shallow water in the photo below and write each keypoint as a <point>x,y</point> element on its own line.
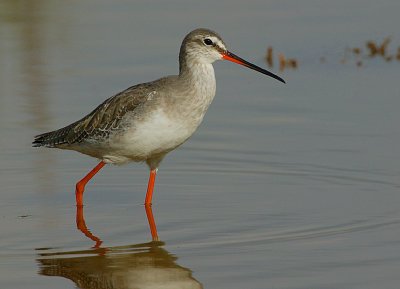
<point>283,186</point>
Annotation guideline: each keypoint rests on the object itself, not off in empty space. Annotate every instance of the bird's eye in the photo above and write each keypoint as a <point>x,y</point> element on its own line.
<point>208,41</point>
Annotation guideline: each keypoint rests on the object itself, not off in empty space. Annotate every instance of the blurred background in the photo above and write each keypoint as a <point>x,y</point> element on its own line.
<point>282,186</point>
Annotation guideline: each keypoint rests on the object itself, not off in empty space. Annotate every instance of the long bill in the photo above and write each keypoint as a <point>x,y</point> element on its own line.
<point>236,59</point>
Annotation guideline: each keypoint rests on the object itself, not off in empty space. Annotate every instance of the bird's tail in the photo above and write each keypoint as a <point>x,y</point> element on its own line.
<point>53,138</point>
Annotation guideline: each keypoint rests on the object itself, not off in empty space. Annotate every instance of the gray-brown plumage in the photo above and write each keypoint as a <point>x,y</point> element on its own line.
<point>98,124</point>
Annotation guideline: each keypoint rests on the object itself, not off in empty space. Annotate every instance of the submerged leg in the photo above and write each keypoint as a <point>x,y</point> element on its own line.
<point>81,225</point>
<point>152,223</point>
<point>80,186</point>
<point>150,187</point>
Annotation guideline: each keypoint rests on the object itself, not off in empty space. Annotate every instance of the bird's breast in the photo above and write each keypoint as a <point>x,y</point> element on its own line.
<point>157,133</point>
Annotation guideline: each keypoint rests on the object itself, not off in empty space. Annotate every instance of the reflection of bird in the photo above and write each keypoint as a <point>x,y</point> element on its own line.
<point>148,120</point>
<point>138,266</point>
<point>81,225</point>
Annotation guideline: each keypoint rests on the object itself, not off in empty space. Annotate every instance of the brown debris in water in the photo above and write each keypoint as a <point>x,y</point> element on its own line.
<point>357,50</point>
<point>354,55</point>
<point>284,63</point>
<point>269,57</point>
<point>376,49</point>
<point>373,49</point>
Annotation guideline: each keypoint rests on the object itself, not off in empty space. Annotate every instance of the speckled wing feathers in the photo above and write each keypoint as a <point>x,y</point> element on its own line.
<point>100,122</point>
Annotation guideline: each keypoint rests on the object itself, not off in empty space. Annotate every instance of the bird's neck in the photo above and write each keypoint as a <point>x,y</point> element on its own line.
<point>199,76</point>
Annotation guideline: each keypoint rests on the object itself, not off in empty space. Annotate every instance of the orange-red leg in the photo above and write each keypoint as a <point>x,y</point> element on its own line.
<point>80,186</point>
<point>152,223</point>
<point>81,225</point>
<point>150,187</point>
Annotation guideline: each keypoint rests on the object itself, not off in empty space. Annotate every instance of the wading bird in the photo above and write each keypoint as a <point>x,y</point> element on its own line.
<point>146,121</point>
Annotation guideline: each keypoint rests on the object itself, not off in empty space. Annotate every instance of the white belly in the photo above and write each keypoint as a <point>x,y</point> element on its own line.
<point>157,134</point>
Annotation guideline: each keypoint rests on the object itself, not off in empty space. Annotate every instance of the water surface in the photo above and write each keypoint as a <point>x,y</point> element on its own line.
<point>282,186</point>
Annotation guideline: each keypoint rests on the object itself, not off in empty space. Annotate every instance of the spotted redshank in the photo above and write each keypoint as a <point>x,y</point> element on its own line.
<point>146,121</point>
